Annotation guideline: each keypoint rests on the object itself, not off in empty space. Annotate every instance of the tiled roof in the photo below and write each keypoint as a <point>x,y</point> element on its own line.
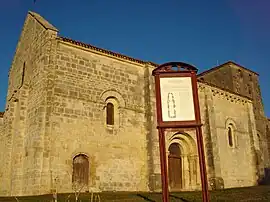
<point>227,63</point>
<point>107,52</point>
<point>1,114</point>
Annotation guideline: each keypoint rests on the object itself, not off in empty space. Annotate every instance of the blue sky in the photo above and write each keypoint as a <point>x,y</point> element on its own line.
<point>202,33</point>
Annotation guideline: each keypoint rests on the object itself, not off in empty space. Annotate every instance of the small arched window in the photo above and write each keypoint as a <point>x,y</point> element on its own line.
<point>230,133</point>
<point>230,136</point>
<point>110,114</point>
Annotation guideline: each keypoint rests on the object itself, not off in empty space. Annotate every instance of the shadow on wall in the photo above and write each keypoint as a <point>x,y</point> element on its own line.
<point>265,180</point>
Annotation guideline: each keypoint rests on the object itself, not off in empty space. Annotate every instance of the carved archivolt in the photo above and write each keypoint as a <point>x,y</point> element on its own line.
<point>113,94</point>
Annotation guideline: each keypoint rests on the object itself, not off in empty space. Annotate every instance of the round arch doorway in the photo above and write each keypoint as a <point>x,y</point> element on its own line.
<point>175,167</point>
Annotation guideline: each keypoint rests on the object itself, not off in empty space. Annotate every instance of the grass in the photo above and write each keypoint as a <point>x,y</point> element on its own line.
<point>259,193</point>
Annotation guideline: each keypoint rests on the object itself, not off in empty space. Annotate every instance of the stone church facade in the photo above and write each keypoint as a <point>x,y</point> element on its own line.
<point>81,117</point>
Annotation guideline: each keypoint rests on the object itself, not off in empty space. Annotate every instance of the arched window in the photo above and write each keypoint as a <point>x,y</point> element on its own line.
<point>230,136</point>
<point>110,113</point>
<point>80,173</point>
<point>112,110</point>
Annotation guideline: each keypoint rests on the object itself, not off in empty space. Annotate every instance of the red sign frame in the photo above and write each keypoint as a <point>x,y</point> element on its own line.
<point>169,70</point>
<point>191,123</point>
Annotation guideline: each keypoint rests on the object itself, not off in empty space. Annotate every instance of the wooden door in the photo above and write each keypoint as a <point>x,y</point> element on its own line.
<point>175,167</point>
<point>80,174</point>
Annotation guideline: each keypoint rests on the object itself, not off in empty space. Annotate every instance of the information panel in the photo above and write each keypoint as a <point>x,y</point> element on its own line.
<point>177,99</point>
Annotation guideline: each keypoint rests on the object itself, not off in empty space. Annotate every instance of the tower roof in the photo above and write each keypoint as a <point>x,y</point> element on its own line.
<point>224,64</point>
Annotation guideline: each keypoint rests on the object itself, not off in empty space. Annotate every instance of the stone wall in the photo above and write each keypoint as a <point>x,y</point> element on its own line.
<point>237,79</point>
<point>84,81</point>
<point>235,164</point>
<point>24,118</point>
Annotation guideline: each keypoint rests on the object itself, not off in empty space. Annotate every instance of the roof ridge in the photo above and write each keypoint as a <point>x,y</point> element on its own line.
<point>219,66</point>
<point>108,52</point>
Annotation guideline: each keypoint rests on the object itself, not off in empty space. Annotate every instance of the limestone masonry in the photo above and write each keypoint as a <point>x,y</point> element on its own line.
<point>81,117</point>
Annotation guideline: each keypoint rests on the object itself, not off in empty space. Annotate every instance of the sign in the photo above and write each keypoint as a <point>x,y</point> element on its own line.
<point>177,104</point>
<point>177,99</point>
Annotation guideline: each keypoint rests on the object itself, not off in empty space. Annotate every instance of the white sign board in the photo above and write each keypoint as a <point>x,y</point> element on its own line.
<point>177,99</point>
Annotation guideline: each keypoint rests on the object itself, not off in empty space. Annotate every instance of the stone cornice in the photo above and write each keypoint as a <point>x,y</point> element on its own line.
<point>216,91</point>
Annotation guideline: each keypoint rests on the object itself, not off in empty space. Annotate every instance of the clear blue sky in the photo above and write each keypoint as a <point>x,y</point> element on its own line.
<point>159,31</point>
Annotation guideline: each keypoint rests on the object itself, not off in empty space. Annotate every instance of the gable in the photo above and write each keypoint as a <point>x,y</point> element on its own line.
<point>33,32</point>
<point>225,65</point>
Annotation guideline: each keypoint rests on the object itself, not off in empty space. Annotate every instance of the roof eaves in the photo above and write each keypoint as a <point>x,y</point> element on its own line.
<point>89,46</point>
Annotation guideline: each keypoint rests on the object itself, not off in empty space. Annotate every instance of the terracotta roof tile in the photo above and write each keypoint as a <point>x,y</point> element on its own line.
<point>119,55</point>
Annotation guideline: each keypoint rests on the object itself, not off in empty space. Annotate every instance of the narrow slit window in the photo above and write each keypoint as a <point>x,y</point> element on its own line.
<point>110,114</point>
<point>230,136</point>
<point>23,73</point>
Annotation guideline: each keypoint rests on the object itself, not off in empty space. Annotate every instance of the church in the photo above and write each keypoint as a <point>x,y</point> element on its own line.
<point>82,117</point>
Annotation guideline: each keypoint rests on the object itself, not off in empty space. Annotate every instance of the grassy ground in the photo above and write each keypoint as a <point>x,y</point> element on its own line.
<point>261,193</point>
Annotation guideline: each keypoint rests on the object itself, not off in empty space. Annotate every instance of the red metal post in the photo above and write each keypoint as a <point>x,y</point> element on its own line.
<point>202,164</point>
<point>163,165</point>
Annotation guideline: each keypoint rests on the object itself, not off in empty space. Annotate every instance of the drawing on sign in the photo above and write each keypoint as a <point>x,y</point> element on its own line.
<point>171,106</point>
<point>177,99</point>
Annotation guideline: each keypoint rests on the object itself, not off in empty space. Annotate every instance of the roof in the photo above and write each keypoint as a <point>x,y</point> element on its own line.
<point>2,114</point>
<point>42,21</point>
<point>227,63</point>
<point>107,52</point>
